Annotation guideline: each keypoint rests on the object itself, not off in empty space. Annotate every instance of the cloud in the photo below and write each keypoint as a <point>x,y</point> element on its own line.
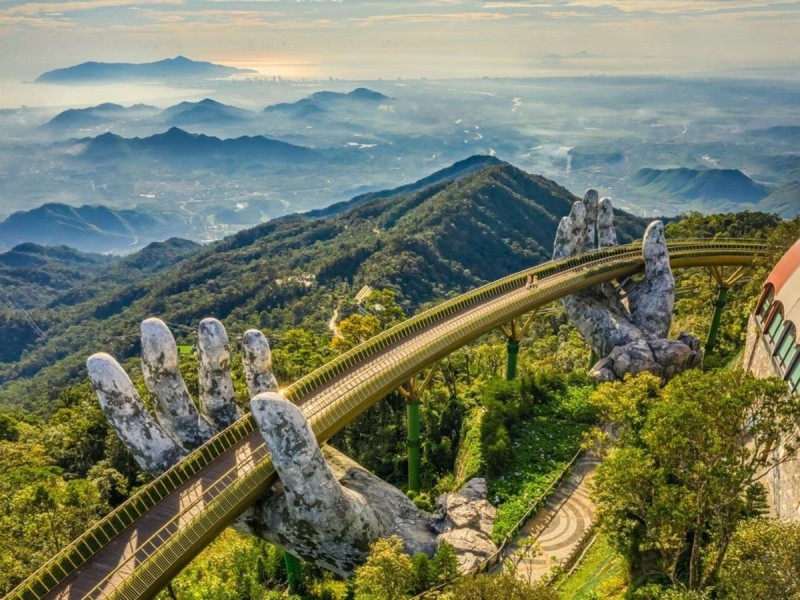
<point>430,17</point>
<point>38,8</point>
<point>648,7</point>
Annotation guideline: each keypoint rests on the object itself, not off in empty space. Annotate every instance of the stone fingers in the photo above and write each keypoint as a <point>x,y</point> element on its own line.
<point>153,449</point>
<point>590,202</point>
<point>174,408</point>
<point>653,299</point>
<point>216,387</point>
<point>257,358</point>
<point>562,248</point>
<point>314,497</point>
<point>606,234</point>
<point>570,233</point>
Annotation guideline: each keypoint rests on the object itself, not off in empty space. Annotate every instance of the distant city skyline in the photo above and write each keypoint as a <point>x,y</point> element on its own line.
<point>359,39</point>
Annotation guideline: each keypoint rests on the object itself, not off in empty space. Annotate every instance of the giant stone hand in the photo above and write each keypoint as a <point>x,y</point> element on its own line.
<point>626,324</point>
<point>327,509</point>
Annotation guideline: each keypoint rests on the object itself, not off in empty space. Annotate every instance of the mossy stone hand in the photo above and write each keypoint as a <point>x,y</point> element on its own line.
<point>626,324</point>
<point>327,509</point>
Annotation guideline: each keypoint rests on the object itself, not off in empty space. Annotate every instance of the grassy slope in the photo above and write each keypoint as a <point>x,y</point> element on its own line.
<point>599,575</point>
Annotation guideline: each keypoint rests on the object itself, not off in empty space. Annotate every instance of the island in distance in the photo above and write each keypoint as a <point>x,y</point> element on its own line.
<point>179,68</point>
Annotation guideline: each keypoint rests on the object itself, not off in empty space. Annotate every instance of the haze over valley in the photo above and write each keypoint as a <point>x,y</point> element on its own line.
<point>240,152</point>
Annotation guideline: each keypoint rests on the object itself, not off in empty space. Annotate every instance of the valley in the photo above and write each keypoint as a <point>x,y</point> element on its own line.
<point>249,152</point>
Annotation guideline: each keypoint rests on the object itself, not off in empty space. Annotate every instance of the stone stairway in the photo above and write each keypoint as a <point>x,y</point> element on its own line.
<point>558,528</point>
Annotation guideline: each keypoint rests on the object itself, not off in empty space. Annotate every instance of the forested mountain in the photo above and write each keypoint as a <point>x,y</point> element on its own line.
<point>31,275</point>
<point>441,240</point>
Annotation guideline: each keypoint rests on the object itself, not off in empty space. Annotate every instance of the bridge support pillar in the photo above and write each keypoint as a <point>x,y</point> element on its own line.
<point>412,392</point>
<point>413,442</point>
<point>512,351</point>
<point>724,285</point>
<point>514,333</point>
<point>293,572</point>
<point>719,306</point>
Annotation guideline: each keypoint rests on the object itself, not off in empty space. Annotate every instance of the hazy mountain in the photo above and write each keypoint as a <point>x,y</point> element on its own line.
<point>442,239</point>
<point>169,70</point>
<point>88,228</point>
<point>100,116</point>
<point>320,103</point>
<point>179,146</point>
<point>781,133</point>
<point>711,185</point>
<point>587,158</point>
<point>785,167</point>
<point>32,275</point>
<point>784,201</point>
<point>205,112</point>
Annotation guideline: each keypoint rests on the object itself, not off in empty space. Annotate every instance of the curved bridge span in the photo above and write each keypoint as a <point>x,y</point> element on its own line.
<point>135,550</point>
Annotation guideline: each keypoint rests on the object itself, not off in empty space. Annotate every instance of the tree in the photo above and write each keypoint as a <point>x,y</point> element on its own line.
<point>504,586</point>
<point>387,574</point>
<point>763,562</point>
<point>685,471</point>
<point>445,562</point>
<point>354,330</point>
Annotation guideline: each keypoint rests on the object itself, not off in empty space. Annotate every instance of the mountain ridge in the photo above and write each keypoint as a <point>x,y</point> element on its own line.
<point>168,69</point>
<point>437,241</point>
<point>93,228</point>
<point>707,184</point>
<point>177,144</point>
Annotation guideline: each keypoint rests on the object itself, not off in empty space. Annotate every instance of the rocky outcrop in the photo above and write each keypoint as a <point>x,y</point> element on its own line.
<point>663,358</point>
<point>465,520</point>
<point>625,323</point>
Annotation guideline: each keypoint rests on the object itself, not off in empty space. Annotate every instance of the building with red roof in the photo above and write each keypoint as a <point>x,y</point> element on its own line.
<point>773,350</point>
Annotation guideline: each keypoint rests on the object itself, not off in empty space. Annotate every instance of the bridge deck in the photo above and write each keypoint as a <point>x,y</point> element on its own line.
<point>142,557</point>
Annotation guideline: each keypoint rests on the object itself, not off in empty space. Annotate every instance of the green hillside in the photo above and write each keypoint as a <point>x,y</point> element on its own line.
<point>428,245</point>
<point>31,275</point>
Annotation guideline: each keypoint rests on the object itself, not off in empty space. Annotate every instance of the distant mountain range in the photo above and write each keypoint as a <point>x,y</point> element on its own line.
<point>779,133</point>
<point>191,149</point>
<point>179,68</point>
<point>321,102</point>
<point>102,115</point>
<point>449,236</point>
<point>710,185</point>
<point>785,200</point>
<point>206,113</point>
<point>89,228</point>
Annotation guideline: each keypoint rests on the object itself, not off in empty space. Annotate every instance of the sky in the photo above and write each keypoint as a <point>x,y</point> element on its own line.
<point>360,39</point>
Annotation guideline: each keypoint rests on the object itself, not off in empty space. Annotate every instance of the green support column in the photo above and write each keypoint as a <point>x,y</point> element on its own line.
<point>412,415</point>
<point>719,305</point>
<point>512,350</point>
<point>293,572</point>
